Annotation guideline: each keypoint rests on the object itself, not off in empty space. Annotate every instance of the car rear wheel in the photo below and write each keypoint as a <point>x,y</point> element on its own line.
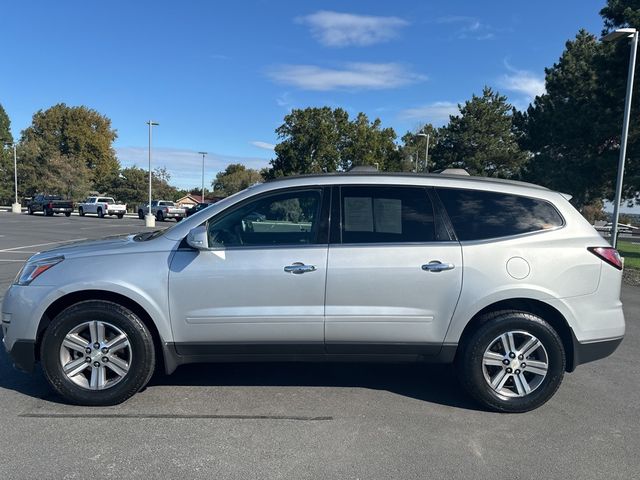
<point>67,214</point>
<point>514,362</point>
<point>81,212</point>
<point>120,215</point>
<point>140,214</point>
<point>100,213</point>
<point>160,217</point>
<point>97,353</point>
<point>30,210</point>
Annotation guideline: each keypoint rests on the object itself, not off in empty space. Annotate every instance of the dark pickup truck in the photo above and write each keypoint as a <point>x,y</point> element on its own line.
<point>50,204</point>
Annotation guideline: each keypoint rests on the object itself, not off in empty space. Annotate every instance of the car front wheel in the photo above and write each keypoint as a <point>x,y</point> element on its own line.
<point>514,362</point>
<point>97,353</point>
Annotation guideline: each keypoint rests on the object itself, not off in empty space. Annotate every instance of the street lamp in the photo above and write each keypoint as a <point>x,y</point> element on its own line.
<point>426,155</point>
<point>15,207</point>
<point>203,154</point>
<point>149,219</point>
<point>610,37</point>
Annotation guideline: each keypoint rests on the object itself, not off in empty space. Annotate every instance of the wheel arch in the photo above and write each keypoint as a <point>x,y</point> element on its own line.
<point>537,307</point>
<point>73,298</point>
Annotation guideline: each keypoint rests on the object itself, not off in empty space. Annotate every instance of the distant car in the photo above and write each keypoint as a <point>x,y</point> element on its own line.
<point>50,204</point>
<point>622,228</point>
<point>196,208</point>
<point>102,206</point>
<point>162,209</point>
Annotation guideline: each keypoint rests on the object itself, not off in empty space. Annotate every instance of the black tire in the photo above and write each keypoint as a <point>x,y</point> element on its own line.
<point>178,219</point>
<point>141,343</point>
<point>160,217</point>
<point>469,361</point>
<point>100,213</point>
<point>120,215</point>
<point>48,212</point>
<point>140,214</point>
<point>81,212</point>
<point>67,214</point>
<point>30,210</point>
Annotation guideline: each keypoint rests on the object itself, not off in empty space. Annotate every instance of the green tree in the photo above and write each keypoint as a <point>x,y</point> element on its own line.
<point>481,139</point>
<point>68,176</point>
<point>70,132</point>
<point>414,149</point>
<point>367,143</point>
<point>6,159</point>
<point>311,141</point>
<point>234,178</point>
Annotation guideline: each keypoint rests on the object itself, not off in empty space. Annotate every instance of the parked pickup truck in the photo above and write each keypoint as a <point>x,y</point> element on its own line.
<point>101,206</point>
<point>50,204</point>
<point>162,209</point>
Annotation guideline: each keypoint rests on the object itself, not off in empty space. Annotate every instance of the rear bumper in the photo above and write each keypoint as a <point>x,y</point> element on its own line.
<point>591,351</point>
<point>62,209</point>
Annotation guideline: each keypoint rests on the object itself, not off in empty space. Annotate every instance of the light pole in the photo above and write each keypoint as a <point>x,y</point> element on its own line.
<point>15,206</point>
<point>203,154</point>
<point>615,35</point>
<point>426,154</point>
<point>149,219</point>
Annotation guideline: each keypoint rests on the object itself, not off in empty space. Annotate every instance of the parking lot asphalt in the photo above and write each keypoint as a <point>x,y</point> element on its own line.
<point>343,421</point>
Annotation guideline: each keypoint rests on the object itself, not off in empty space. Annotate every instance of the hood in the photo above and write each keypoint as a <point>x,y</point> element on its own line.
<point>90,247</point>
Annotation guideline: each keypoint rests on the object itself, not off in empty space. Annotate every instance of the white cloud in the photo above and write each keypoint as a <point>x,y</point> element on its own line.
<point>371,76</point>
<point>469,27</point>
<point>334,29</point>
<point>185,166</point>
<point>523,81</point>
<point>263,145</point>
<point>436,113</point>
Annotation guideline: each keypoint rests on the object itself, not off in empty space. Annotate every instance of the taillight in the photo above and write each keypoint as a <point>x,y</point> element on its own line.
<point>608,254</point>
<point>50,205</point>
<point>106,206</point>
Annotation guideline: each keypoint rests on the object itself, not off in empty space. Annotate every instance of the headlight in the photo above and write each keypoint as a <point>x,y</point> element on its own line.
<point>32,270</point>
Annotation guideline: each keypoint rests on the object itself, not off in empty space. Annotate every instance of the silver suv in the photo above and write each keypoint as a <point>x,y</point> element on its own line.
<point>505,279</point>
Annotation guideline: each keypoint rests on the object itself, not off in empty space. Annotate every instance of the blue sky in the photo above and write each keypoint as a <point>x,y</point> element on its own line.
<point>220,76</point>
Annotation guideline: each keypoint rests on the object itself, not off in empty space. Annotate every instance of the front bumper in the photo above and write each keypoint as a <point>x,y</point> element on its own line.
<point>23,354</point>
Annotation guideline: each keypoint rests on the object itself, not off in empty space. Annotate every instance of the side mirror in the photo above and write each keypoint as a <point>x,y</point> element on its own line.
<point>198,238</point>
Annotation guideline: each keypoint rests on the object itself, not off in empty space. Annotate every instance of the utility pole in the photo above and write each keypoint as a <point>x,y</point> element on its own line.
<point>149,219</point>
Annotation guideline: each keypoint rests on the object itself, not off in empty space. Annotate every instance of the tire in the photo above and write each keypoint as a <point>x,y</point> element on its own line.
<point>178,219</point>
<point>135,359</point>
<point>120,215</point>
<point>542,379</point>
<point>160,217</point>
<point>81,212</point>
<point>100,213</point>
<point>67,214</point>
<point>30,210</point>
<point>48,212</point>
<point>140,214</point>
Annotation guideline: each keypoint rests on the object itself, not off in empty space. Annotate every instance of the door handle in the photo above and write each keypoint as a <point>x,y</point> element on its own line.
<point>437,266</point>
<point>299,267</point>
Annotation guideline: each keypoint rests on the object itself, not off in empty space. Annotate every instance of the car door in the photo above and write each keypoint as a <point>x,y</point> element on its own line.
<point>394,272</point>
<point>260,288</point>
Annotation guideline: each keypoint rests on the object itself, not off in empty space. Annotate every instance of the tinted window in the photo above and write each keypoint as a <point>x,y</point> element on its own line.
<point>106,200</point>
<point>289,218</point>
<point>477,215</point>
<point>386,215</point>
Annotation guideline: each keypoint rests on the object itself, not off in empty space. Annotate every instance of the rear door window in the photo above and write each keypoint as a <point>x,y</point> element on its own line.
<point>381,214</point>
<point>479,215</point>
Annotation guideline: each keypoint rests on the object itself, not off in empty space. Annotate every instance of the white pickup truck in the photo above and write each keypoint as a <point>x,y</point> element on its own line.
<point>101,206</point>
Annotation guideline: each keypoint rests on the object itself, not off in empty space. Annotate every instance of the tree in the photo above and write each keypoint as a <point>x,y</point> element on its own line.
<point>481,139</point>
<point>68,176</point>
<point>234,178</point>
<point>367,143</point>
<point>311,141</point>
<point>68,132</point>
<point>414,149</point>
<point>6,159</point>
<point>323,140</point>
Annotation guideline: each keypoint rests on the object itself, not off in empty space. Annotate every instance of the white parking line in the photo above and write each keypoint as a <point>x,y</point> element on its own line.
<point>41,244</point>
<point>11,260</point>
